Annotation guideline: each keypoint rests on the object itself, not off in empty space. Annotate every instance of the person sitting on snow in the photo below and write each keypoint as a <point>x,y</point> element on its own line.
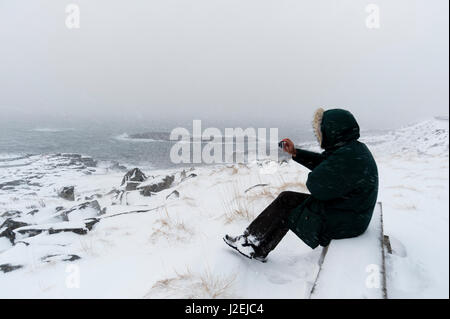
<point>343,186</point>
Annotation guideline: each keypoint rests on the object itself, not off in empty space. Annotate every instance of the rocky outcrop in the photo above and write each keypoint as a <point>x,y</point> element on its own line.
<point>134,175</point>
<point>8,227</point>
<point>67,192</point>
<point>131,186</point>
<point>88,161</point>
<point>8,267</point>
<point>85,210</point>
<point>11,214</point>
<point>78,159</point>
<point>75,160</point>
<point>118,197</point>
<point>11,184</point>
<point>164,183</point>
<point>59,257</point>
<point>83,229</point>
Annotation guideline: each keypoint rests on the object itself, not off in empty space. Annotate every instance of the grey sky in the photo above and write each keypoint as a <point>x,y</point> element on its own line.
<point>247,59</point>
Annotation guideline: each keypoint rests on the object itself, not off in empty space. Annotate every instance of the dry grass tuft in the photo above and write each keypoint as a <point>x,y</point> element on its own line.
<point>238,214</point>
<point>261,193</point>
<point>238,208</point>
<point>170,229</point>
<point>241,205</point>
<point>294,185</point>
<point>193,286</point>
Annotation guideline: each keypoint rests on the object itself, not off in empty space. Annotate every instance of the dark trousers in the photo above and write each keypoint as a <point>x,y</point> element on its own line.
<point>270,226</point>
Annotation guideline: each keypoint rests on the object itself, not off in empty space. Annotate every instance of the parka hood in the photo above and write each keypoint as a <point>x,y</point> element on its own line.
<point>334,127</point>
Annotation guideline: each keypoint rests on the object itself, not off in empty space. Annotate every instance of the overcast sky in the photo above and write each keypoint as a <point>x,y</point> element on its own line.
<point>246,59</point>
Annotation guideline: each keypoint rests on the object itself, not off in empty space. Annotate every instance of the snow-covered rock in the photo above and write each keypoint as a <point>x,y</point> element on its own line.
<point>155,184</point>
<point>67,192</point>
<point>133,175</point>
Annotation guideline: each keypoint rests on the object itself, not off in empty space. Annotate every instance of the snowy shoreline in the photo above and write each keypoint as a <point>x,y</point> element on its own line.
<point>168,244</point>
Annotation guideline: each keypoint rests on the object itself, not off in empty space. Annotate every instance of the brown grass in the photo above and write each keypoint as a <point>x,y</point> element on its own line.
<point>193,286</point>
<point>238,208</point>
<point>170,229</point>
<point>239,205</point>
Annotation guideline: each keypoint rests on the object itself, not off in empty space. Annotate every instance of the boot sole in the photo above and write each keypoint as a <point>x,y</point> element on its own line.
<point>235,248</point>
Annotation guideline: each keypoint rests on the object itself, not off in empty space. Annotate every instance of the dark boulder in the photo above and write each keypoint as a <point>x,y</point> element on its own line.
<point>59,228</point>
<point>67,192</point>
<point>134,175</point>
<point>165,183</point>
<point>89,223</point>
<point>9,267</point>
<point>7,229</point>
<point>131,186</point>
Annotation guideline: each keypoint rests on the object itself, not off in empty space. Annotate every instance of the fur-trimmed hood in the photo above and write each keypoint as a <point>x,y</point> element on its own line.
<point>334,127</point>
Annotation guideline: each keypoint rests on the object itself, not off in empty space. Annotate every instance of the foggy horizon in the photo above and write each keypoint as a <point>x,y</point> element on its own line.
<point>246,62</point>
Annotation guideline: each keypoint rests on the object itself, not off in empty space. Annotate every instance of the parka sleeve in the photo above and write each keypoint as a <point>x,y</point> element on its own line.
<point>307,158</point>
<point>333,178</point>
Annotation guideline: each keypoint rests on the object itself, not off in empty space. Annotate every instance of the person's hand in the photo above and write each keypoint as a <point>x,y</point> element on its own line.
<point>288,146</point>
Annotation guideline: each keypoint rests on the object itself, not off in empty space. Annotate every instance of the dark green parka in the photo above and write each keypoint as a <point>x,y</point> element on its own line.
<point>343,182</point>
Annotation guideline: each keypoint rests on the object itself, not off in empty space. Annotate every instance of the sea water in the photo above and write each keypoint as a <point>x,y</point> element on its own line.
<point>145,144</point>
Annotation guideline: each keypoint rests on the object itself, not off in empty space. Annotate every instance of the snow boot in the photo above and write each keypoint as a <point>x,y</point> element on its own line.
<point>243,246</point>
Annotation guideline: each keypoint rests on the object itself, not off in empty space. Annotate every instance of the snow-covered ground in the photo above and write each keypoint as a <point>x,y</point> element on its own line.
<point>121,244</point>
